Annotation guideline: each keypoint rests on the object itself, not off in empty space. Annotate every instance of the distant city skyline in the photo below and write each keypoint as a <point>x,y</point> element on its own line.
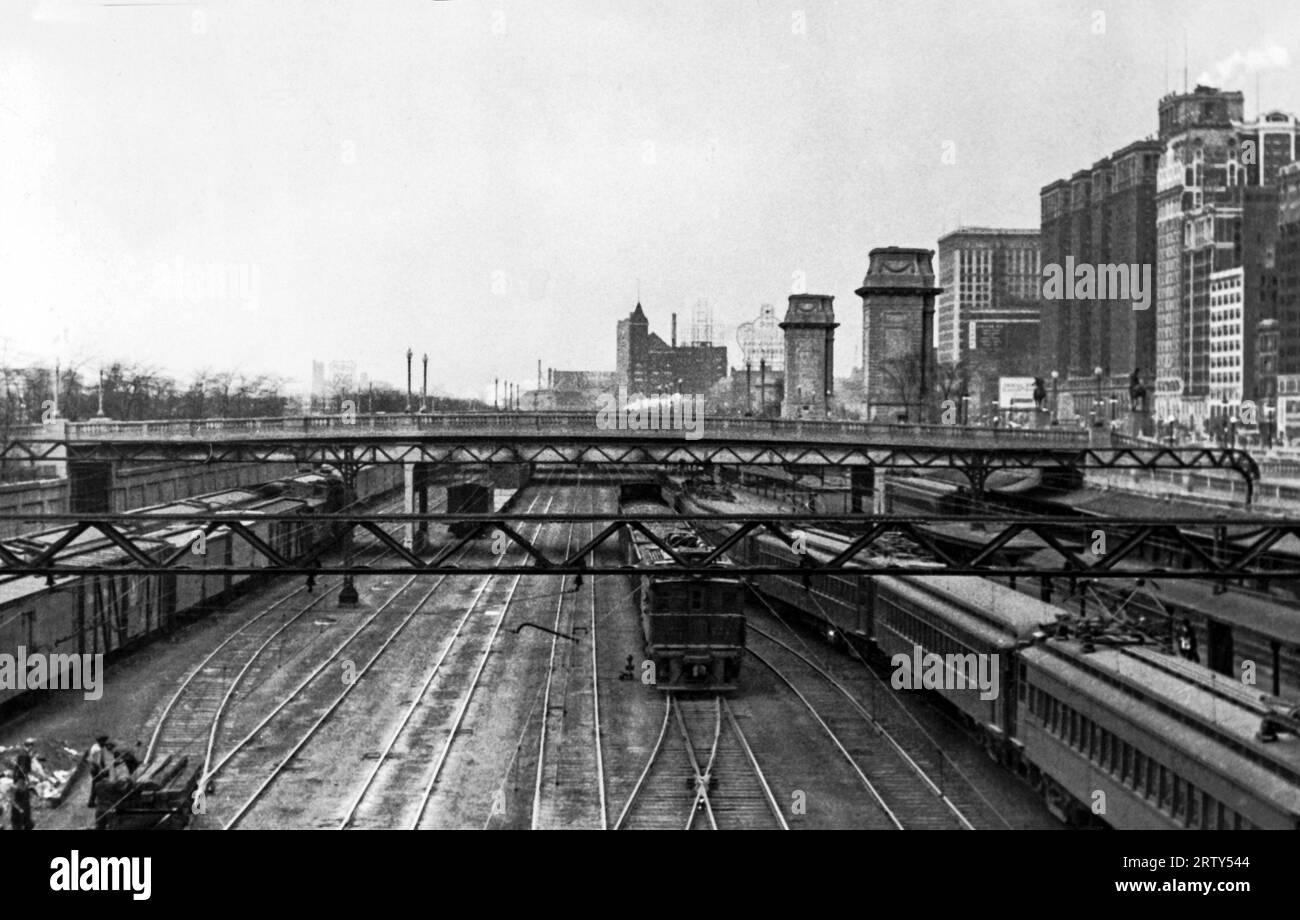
<point>268,184</point>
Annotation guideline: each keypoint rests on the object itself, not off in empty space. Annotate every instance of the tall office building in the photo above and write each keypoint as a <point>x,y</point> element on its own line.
<point>1104,215</point>
<point>1216,207</point>
<point>1283,334</point>
<point>987,317</point>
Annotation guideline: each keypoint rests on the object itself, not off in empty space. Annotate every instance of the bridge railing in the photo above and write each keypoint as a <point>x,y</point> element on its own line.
<point>543,423</point>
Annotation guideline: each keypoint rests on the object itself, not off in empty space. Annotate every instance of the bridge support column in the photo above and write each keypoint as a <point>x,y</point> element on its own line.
<point>862,483</point>
<point>977,472</point>
<point>416,502</point>
<point>348,596</point>
<point>90,486</point>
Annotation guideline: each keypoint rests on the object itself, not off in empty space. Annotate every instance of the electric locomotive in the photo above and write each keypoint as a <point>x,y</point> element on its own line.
<point>694,625</point>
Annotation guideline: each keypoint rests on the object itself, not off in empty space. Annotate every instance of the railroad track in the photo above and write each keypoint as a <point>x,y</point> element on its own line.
<point>701,774</point>
<point>191,719</point>
<point>911,781</point>
<point>569,782</point>
<point>361,644</point>
<point>435,715</point>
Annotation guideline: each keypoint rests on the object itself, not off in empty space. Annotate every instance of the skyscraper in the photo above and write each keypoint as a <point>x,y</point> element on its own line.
<point>1286,329</point>
<point>1215,211</point>
<point>1104,215</point>
<point>988,314</point>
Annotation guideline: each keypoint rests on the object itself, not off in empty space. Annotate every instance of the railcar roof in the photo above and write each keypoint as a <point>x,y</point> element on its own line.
<point>1274,617</point>
<point>1007,609</point>
<point>1211,718</point>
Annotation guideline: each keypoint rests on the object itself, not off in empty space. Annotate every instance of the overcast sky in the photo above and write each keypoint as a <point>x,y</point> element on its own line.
<point>252,185</point>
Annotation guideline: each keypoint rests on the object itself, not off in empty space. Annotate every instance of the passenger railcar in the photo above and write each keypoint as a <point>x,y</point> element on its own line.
<point>694,625</point>
<point>1235,628</point>
<point>1167,743</point>
<point>951,616</point>
<point>1170,742</point>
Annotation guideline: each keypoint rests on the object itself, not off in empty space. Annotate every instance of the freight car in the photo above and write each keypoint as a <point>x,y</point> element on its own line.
<point>694,625</point>
<point>105,614</point>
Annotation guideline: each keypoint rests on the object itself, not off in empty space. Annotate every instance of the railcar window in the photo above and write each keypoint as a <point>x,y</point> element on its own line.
<point>1223,817</point>
<point>1180,800</point>
<point>1094,746</point>
<point>1193,806</point>
<point>1166,789</point>
<point>1134,768</point>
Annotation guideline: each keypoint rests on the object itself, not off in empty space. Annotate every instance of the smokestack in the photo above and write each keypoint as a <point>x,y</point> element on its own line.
<point>550,378</point>
<point>674,330</point>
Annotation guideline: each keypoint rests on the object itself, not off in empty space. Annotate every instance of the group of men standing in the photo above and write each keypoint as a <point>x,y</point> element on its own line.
<point>27,770</point>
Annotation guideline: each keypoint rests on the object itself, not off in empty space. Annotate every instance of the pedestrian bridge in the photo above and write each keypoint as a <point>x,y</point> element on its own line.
<point>352,426</point>
<point>348,440</point>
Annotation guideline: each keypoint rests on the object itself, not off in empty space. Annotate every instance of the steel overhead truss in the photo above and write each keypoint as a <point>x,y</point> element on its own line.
<point>623,450</point>
<point>1206,548</point>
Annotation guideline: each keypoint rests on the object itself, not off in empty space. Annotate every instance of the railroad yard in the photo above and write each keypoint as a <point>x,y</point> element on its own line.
<point>517,702</point>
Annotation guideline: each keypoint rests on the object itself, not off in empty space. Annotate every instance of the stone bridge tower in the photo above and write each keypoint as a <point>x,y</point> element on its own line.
<point>809,356</point>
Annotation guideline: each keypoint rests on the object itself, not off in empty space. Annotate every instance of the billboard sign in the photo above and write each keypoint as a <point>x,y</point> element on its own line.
<point>1015,392</point>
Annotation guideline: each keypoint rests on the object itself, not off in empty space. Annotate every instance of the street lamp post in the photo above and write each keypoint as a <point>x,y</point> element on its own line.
<point>1056,376</point>
<point>424,388</point>
<point>100,413</point>
<point>409,355</point>
<point>1096,414</point>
